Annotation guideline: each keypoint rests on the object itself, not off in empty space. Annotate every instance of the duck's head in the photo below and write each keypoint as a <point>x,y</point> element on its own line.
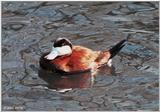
<point>61,47</point>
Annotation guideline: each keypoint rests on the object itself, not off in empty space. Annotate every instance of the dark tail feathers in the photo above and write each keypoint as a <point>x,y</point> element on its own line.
<point>115,49</point>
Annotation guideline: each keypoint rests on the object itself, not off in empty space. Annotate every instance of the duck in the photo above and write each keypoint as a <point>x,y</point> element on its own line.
<point>66,58</point>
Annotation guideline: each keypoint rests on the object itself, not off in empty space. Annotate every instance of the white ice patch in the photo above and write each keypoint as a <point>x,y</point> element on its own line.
<point>64,90</point>
<point>58,51</point>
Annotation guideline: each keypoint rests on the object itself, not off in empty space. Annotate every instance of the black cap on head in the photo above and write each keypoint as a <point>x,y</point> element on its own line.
<point>62,42</point>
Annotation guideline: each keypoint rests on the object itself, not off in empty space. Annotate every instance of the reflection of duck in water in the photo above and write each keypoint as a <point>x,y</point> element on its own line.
<point>67,58</point>
<point>68,82</point>
<point>57,81</point>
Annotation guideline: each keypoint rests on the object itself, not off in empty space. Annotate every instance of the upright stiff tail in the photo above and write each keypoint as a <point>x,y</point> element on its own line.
<point>115,49</point>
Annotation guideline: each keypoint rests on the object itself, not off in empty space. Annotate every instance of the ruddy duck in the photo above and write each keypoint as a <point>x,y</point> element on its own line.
<point>67,58</point>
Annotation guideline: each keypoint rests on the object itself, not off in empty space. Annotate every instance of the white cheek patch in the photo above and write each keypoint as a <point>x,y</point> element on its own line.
<point>64,50</point>
<point>58,51</point>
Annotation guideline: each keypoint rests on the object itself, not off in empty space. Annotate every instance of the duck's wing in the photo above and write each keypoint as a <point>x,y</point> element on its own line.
<point>82,58</point>
<point>79,61</point>
<point>102,58</point>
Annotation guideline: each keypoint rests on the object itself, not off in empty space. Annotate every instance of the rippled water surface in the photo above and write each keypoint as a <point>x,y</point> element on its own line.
<point>28,30</point>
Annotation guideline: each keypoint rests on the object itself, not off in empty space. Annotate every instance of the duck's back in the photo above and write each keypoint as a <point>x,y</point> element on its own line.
<point>80,59</point>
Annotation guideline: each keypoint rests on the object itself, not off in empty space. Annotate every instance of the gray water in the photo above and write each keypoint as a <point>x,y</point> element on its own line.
<point>28,30</point>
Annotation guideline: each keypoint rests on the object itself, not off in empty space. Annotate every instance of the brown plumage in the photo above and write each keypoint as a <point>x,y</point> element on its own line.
<point>80,60</point>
